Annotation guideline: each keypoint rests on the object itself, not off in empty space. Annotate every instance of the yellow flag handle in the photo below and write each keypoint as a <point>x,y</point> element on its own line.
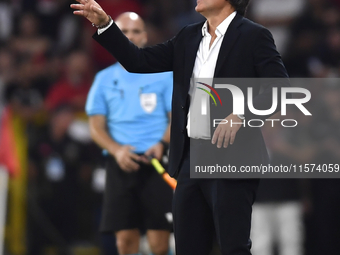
<point>166,177</point>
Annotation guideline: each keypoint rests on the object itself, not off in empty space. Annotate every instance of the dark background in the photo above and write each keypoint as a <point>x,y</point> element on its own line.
<point>47,63</point>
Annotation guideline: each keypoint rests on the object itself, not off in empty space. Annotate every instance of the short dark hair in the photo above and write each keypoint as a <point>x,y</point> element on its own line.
<point>239,5</point>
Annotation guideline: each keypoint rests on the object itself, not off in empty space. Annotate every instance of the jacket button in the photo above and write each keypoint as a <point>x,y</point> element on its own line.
<point>183,131</point>
<point>182,106</point>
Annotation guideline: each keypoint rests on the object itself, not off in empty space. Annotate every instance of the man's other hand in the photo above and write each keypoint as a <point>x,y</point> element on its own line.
<point>155,151</point>
<point>225,133</point>
<point>127,159</point>
<point>91,10</point>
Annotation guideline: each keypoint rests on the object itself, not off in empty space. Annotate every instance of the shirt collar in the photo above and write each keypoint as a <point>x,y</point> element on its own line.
<point>221,28</point>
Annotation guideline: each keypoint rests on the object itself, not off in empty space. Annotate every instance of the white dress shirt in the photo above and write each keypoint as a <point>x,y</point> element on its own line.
<point>102,30</point>
<point>198,126</point>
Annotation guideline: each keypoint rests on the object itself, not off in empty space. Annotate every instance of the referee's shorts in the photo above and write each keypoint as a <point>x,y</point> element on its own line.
<point>141,199</point>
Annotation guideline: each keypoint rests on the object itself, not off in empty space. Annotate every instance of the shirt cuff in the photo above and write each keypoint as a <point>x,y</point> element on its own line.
<point>102,30</point>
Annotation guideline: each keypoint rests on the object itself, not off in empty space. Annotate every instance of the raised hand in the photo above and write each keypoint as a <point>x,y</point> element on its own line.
<point>91,10</point>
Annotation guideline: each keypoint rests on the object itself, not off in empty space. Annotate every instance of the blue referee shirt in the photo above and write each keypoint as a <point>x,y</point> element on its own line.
<point>136,106</point>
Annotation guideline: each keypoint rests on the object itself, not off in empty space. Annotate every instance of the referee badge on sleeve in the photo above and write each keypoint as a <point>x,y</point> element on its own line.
<point>148,101</point>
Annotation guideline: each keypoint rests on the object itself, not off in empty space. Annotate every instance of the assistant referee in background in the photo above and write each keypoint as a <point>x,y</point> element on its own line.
<point>129,117</point>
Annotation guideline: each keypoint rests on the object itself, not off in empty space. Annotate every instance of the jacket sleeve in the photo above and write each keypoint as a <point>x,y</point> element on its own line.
<point>158,58</point>
<point>271,72</point>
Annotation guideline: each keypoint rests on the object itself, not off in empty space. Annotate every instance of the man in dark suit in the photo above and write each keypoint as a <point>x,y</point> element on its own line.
<point>226,45</point>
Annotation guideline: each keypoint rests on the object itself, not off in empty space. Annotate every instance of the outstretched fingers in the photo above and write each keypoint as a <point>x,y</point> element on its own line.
<point>77,6</point>
<point>79,9</point>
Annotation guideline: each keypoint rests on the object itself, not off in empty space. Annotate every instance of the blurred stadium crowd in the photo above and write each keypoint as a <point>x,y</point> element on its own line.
<point>47,62</point>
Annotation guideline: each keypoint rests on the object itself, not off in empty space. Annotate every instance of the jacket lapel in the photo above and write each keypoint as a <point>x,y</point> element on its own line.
<point>191,48</point>
<point>229,40</point>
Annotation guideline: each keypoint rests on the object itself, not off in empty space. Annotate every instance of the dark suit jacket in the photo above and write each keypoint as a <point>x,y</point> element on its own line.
<point>247,50</point>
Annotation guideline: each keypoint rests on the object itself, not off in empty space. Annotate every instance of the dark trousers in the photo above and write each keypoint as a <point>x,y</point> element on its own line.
<point>204,206</point>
